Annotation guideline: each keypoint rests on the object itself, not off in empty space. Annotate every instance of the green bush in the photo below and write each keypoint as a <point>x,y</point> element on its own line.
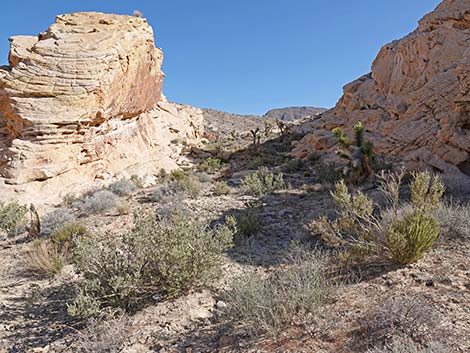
<point>12,217</point>
<point>249,221</point>
<point>189,185</point>
<point>263,182</point>
<point>211,165</point>
<point>221,188</point>
<point>267,304</point>
<point>156,259</point>
<point>403,236</point>
<point>328,173</point>
<point>294,165</point>
<point>68,232</point>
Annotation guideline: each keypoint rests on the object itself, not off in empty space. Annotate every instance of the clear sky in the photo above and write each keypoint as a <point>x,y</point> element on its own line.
<point>247,56</point>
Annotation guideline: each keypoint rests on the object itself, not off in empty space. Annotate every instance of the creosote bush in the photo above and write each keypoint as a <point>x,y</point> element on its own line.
<point>12,217</point>
<point>402,237</point>
<point>122,187</point>
<point>267,304</point>
<point>158,258</point>
<point>263,182</point>
<point>45,257</point>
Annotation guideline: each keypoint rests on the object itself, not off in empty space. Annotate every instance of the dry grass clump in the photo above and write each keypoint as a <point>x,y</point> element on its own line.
<point>404,319</point>
<point>401,234</point>
<point>66,234</point>
<point>45,258</point>
<point>263,182</point>
<point>407,345</point>
<point>12,217</point>
<point>104,336</point>
<point>267,304</point>
<point>455,221</point>
<point>157,258</point>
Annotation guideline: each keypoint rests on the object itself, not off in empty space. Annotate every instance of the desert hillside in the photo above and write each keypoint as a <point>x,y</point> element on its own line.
<point>132,224</point>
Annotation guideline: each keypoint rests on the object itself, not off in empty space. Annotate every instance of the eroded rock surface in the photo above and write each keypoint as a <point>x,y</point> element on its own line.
<point>83,101</point>
<point>415,103</point>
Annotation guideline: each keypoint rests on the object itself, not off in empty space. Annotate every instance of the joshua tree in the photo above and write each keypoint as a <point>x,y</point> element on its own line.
<point>256,138</point>
<point>359,153</point>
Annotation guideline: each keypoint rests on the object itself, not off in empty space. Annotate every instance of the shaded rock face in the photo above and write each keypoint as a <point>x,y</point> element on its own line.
<point>83,101</point>
<point>292,113</point>
<point>415,103</point>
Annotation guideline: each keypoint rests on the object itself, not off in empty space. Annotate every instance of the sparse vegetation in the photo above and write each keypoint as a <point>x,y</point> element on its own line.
<point>270,303</point>
<point>328,173</point>
<point>455,221</point>
<point>68,232</point>
<point>294,165</point>
<point>263,182</point>
<point>405,236</point>
<point>122,187</point>
<point>407,345</point>
<point>156,259</point>
<point>12,217</point>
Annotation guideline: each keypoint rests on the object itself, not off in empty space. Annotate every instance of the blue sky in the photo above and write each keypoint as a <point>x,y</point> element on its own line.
<point>247,56</point>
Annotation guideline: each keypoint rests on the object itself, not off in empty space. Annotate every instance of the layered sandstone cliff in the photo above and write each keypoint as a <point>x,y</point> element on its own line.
<point>83,101</point>
<point>415,103</point>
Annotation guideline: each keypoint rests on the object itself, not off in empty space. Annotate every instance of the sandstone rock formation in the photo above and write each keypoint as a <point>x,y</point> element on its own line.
<point>83,101</point>
<point>292,113</point>
<point>415,103</point>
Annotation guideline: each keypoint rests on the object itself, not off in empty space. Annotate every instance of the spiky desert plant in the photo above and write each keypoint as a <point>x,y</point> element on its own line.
<point>359,153</point>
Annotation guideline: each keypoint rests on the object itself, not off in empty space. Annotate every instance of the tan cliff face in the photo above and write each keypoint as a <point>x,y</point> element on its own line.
<point>83,101</point>
<point>415,104</point>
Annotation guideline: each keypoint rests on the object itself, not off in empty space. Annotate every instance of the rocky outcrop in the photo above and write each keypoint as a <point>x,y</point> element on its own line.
<point>415,104</point>
<point>292,113</point>
<point>83,101</point>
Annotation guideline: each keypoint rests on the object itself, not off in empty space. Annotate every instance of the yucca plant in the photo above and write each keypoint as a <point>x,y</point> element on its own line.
<point>359,153</point>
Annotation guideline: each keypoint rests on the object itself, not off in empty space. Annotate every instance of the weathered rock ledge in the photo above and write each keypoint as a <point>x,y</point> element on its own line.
<point>83,102</point>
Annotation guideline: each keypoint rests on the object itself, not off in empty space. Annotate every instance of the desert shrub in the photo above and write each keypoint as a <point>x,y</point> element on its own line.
<point>249,221</point>
<point>44,257</point>
<point>211,165</point>
<point>294,165</point>
<point>455,221</point>
<point>163,193</point>
<point>137,181</point>
<point>263,182</point>
<point>221,188</point>
<point>104,336</point>
<point>204,177</point>
<point>122,187</point>
<point>56,219</point>
<point>328,173</point>
<point>410,317</point>
<point>408,231</point>
<point>407,345</point>
<point>269,303</point>
<point>178,174</point>
<point>189,185</point>
<point>98,202</point>
<point>68,232</point>
<point>158,258</point>
<point>12,217</point>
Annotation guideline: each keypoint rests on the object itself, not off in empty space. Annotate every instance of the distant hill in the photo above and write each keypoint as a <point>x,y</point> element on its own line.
<point>292,113</point>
